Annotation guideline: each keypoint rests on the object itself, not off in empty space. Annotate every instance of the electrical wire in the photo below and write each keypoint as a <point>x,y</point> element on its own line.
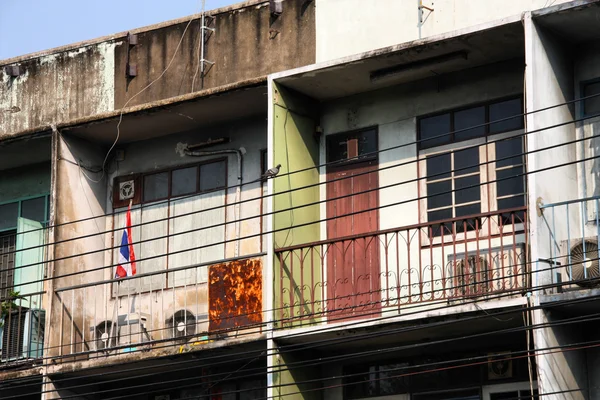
<point>328,199</point>
<point>322,360</point>
<point>405,329</point>
<point>281,174</point>
<point>525,173</point>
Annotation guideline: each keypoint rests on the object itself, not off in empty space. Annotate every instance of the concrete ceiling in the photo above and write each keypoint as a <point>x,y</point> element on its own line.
<point>574,23</point>
<point>184,116</point>
<point>25,151</point>
<point>419,60</point>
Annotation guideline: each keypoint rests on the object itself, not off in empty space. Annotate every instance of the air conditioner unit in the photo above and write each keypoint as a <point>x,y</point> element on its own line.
<point>186,326</point>
<point>485,271</point>
<point>500,366</point>
<point>580,263</point>
<point>130,329</point>
<point>105,336</point>
<point>22,335</point>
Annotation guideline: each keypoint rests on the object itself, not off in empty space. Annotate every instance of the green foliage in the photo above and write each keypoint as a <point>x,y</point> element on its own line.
<point>8,305</point>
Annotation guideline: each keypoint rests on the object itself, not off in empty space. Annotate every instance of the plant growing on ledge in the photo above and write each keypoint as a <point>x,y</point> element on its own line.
<point>9,304</point>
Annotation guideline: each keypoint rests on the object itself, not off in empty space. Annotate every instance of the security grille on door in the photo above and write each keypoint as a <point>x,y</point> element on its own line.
<point>471,276</point>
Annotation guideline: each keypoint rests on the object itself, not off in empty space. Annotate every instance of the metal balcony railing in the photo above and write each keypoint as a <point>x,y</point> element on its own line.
<point>185,306</point>
<point>569,233</point>
<point>364,275</point>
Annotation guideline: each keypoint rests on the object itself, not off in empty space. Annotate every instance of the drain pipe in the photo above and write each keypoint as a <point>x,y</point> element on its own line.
<point>238,190</point>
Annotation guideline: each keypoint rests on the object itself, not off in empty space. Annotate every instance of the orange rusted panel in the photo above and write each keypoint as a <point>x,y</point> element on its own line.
<point>235,294</point>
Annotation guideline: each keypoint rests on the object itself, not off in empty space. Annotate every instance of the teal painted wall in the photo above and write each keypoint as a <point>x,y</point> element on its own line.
<point>28,181</point>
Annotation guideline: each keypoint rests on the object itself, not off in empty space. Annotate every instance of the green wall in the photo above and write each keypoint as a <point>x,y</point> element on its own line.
<point>296,147</point>
<point>27,181</point>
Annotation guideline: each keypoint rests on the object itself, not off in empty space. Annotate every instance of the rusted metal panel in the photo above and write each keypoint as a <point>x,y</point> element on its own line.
<point>235,294</point>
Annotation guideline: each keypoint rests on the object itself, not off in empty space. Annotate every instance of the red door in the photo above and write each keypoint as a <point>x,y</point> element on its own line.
<point>353,272</point>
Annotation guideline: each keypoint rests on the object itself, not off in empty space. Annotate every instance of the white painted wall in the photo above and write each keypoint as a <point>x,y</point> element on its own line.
<point>345,27</point>
<point>394,111</point>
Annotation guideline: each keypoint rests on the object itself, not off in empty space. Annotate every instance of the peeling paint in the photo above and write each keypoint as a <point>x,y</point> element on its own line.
<point>235,295</point>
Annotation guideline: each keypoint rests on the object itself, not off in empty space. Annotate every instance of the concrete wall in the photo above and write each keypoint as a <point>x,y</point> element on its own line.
<point>295,147</point>
<point>560,371</point>
<point>549,80</point>
<point>78,197</point>
<point>346,27</point>
<point>78,311</point>
<point>394,111</point>
<point>89,79</point>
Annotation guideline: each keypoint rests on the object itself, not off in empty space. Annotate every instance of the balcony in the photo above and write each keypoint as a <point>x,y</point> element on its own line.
<point>568,243</point>
<point>393,271</point>
<point>114,317</point>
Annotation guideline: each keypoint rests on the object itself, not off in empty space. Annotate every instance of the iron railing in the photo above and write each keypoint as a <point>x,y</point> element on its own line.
<point>363,275</point>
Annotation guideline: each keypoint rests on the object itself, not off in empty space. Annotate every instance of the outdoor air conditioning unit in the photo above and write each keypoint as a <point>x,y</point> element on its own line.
<point>22,335</point>
<point>485,271</point>
<point>130,329</point>
<point>186,326</point>
<point>580,263</point>
<point>500,366</point>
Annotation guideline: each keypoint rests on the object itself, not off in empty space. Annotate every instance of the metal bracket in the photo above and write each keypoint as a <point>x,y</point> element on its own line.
<point>131,69</point>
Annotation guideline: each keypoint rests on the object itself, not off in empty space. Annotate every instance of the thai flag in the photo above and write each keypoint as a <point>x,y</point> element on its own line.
<point>126,265</point>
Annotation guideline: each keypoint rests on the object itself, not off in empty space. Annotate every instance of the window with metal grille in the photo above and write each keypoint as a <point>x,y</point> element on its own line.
<point>8,242</point>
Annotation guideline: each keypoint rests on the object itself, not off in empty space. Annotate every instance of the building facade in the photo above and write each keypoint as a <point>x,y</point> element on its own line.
<point>431,233</point>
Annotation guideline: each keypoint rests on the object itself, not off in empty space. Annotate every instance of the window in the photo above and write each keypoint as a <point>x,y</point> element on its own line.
<point>461,394</point>
<point>591,106</point>
<point>464,124</point>
<point>514,395</point>
<point>344,146</point>
<point>453,189</point>
<point>36,209</point>
<point>375,380</point>
<point>455,179</point>
<point>197,194</point>
<point>185,181</point>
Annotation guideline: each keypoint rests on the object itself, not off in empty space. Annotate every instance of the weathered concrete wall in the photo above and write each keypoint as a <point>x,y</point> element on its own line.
<point>57,87</point>
<point>346,27</point>
<point>561,375</point>
<point>91,79</point>
<point>549,81</point>
<point>77,198</point>
<point>247,43</point>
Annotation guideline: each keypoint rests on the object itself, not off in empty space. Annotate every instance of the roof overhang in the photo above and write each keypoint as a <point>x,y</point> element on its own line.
<point>441,54</point>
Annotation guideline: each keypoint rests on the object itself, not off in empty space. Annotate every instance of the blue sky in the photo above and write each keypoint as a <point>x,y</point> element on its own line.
<point>34,25</point>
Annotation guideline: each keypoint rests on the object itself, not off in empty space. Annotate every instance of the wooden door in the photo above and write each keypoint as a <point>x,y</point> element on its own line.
<point>353,271</point>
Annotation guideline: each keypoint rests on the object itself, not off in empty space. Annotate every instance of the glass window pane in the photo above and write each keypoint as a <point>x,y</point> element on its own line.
<point>511,202</point>
<point>156,186</point>
<point>442,200</point>
<point>504,395</point>
<point>337,148</point>
<point>34,209</point>
<point>439,229</point>
<point>509,152</point>
<point>466,161</point>
<point>212,176</point>
<point>8,215</point>
<point>367,143</point>
<point>472,191</point>
<point>591,106</point>
<point>468,224</point>
<point>438,166</point>
<point>431,127</point>
<point>505,109</point>
<point>467,118</point>
<point>510,181</point>
<point>184,181</point>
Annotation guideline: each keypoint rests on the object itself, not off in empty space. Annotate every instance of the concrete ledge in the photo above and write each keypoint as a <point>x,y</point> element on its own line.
<point>449,310</point>
<point>112,360</point>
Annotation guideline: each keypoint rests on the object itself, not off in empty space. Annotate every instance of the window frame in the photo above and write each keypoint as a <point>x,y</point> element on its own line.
<point>582,86</point>
<point>453,111</point>
<point>170,171</point>
<point>20,200</point>
<point>167,202</point>
<point>488,195</point>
